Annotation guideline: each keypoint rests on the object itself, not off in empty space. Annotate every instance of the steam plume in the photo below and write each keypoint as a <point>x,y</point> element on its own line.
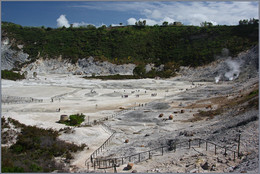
<point>234,67</point>
<point>217,78</point>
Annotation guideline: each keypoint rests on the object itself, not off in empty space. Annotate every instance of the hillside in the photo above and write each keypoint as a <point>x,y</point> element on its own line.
<point>178,45</point>
<point>216,104</point>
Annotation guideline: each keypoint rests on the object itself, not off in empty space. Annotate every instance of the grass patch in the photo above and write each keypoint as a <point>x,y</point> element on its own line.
<point>209,114</point>
<point>251,100</point>
<point>242,103</point>
<point>205,114</point>
<point>253,94</point>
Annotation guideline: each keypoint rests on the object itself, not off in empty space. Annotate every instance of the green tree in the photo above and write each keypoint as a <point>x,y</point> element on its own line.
<point>206,24</point>
<point>139,70</point>
<point>165,23</point>
<point>34,74</point>
<point>76,119</point>
<point>243,22</point>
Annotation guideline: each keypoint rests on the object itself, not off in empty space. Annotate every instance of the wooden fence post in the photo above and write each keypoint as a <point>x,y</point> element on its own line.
<point>122,160</point>
<point>162,151</point>
<point>139,157</point>
<point>199,142</point>
<point>206,145</point>
<point>215,149</point>
<point>189,143</point>
<point>238,145</point>
<point>149,154</point>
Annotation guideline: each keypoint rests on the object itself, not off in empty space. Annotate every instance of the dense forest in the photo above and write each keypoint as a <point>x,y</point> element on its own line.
<point>182,45</point>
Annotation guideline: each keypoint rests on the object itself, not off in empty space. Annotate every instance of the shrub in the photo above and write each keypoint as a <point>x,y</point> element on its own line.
<point>10,75</point>
<point>35,168</point>
<point>69,156</point>
<point>17,148</point>
<point>35,150</point>
<point>12,169</point>
<point>74,120</point>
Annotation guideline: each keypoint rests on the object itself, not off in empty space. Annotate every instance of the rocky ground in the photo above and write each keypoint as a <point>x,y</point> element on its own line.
<point>145,130</point>
<point>201,107</point>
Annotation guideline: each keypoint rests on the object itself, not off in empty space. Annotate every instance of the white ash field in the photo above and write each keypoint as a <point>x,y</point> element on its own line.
<point>141,125</point>
<point>212,107</point>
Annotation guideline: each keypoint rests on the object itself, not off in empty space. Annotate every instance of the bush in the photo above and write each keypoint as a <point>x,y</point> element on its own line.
<point>139,70</point>
<point>12,169</point>
<point>35,168</point>
<point>35,150</point>
<point>10,75</point>
<point>74,120</point>
<point>17,148</point>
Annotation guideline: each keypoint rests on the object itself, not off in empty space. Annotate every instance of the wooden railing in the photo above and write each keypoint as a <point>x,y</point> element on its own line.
<point>102,147</point>
<point>138,157</point>
<point>19,100</point>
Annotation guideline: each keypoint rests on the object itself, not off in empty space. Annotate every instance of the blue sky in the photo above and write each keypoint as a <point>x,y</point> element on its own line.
<point>56,14</point>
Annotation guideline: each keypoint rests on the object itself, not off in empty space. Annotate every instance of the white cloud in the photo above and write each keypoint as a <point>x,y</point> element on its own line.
<point>77,24</point>
<point>115,25</point>
<point>62,21</point>
<point>167,19</point>
<point>149,21</point>
<point>102,24</point>
<point>223,13</point>
<point>131,21</point>
<point>116,6</point>
<point>154,14</point>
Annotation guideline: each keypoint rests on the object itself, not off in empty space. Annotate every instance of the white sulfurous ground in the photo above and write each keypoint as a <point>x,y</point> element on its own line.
<point>72,95</point>
<point>140,125</point>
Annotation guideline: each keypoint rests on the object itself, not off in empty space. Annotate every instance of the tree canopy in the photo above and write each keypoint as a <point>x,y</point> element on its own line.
<point>184,45</point>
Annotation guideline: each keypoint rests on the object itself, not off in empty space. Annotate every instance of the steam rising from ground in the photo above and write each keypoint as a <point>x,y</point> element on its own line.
<point>234,67</point>
<point>217,78</point>
<point>231,67</point>
<point>233,70</point>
